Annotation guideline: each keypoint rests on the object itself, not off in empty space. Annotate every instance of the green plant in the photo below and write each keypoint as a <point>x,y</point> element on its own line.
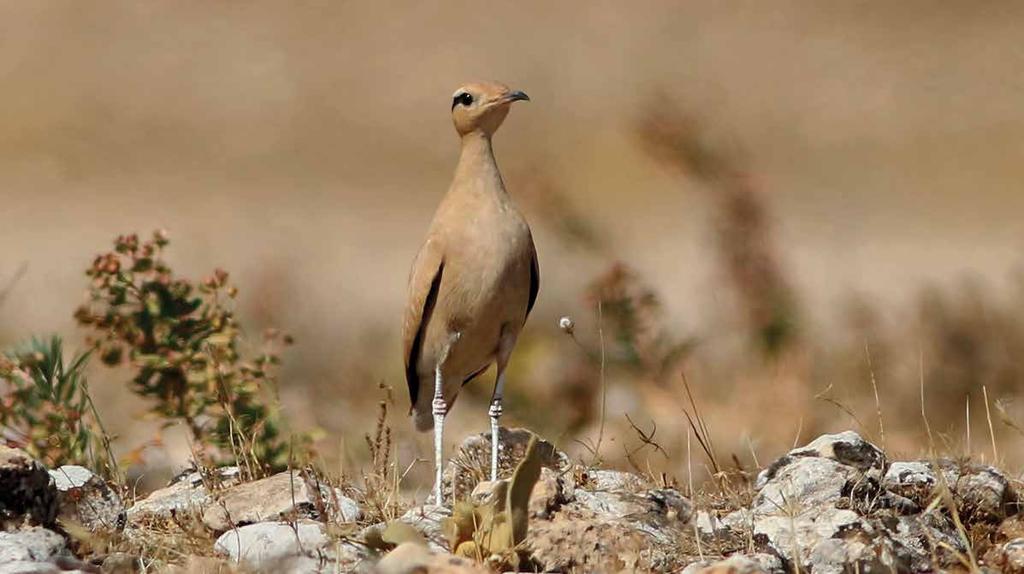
<point>641,341</point>
<point>45,406</point>
<point>184,344</point>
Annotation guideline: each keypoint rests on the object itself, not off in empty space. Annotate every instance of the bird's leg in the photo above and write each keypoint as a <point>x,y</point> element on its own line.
<point>505,345</point>
<point>495,413</point>
<point>439,409</point>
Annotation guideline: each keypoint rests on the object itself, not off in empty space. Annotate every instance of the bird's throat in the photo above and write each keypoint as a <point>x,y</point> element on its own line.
<point>477,170</point>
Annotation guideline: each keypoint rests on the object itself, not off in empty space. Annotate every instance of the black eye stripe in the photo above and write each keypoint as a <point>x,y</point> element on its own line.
<point>463,98</point>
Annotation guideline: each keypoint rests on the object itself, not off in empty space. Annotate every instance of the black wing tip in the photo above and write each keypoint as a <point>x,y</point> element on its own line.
<point>534,282</point>
<point>412,377</point>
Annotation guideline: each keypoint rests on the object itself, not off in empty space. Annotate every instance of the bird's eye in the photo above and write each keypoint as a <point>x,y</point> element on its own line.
<point>463,98</point>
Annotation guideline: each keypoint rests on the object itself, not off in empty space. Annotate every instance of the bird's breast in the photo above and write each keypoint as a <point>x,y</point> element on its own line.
<point>491,268</point>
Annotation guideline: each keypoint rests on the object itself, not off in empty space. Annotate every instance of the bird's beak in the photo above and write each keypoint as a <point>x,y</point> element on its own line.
<point>517,96</point>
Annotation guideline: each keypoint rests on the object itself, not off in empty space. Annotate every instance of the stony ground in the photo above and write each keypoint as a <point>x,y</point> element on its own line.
<point>834,505</point>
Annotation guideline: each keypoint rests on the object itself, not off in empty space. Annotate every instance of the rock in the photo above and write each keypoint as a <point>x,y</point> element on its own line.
<point>612,481</point>
<point>33,544</point>
<point>768,562</point>
<point>258,543</point>
<point>919,480</point>
<point>60,566</point>
<point>796,536</point>
<point>739,521</point>
<point>846,448</point>
<point>121,563</point>
<point>670,504</point>
<point>471,462</point>
<point>552,490</point>
<point>22,567</point>
<point>188,493</point>
<point>427,520</point>
<point>914,480</point>
<point>611,530</point>
<point>828,507</point>
<point>87,499</point>
<point>1008,557</point>
<point>875,545</point>
<point>286,495</point>
<point>193,564</point>
<point>804,483</point>
<point>915,483</point>
<point>616,495</point>
<point>608,505</point>
<point>412,558</point>
<point>569,544</point>
<point>301,546</point>
<point>708,524</point>
<point>738,564</point>
<point>920,539</point>
<point>983,494</point>
<point>660,513</point>
<point>802,510</point>
<point>26,491</point>
<point>666,513</point>
<point>547,494</point>
<point>837,556</point>
<point>483,492</point>
<point>28,567</point>
<point>1012,527</point>
<point>37,550</point>
<point>338,507</point>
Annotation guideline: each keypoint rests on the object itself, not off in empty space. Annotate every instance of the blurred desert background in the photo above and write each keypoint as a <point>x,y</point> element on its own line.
<point>801,205</point>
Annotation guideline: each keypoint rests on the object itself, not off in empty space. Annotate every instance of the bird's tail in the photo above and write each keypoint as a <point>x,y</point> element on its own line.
<point>423,418</point>
<point>423,411</point>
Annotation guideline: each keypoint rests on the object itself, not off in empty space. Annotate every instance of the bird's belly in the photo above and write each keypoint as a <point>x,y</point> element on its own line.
<point>482,309</point>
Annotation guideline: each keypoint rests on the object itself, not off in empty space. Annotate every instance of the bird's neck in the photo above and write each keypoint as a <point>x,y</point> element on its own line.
<point>477,171</point>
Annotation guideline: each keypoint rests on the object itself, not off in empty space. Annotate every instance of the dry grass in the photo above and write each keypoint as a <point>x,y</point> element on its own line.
<point>380,491</point>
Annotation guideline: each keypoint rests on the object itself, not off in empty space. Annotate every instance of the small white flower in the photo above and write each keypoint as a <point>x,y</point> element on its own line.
<point>566,324</point>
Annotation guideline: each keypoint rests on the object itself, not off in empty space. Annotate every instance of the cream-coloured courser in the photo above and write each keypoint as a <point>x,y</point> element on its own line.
<point>474,280</point>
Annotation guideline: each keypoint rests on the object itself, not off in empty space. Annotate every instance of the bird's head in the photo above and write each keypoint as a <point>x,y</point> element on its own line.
<point>482,106</point>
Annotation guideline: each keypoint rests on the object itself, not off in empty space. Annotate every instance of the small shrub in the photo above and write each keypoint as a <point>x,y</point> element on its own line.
<point>45,407</point>
<point>183,343</point>
<point>634,316</point>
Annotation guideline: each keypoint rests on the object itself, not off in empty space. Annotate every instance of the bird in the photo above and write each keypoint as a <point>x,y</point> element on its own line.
<point>474,280</point>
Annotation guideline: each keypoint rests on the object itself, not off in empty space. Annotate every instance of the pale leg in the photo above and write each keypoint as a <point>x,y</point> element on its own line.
<point>439,409</point>
<point>495,413</point>
<point>508,342</point>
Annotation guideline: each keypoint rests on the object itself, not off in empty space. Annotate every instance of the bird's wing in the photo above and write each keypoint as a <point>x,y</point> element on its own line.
<point>534,277</point>
<point>424,283</point>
